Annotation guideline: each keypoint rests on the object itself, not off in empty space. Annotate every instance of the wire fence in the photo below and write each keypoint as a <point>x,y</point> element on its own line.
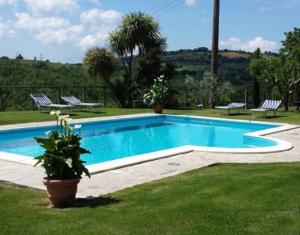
<point>18,97</point>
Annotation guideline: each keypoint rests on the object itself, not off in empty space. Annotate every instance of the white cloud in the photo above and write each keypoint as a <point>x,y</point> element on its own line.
<point>266,8</point>
<point>95,16</point>
<point>94,28</point>
<point>8,2</point>
<point>6,29</point>
<point>49,29</point>
<point>91,40</point>
<point>190,2</point>
<point>98,25</point>
<point>31,23</point>
<point>40,7</point>
<point>59,36</point>
<point>251,45</point>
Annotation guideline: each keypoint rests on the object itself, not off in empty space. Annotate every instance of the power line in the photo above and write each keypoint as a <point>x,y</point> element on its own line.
<point>160,5</point>
<point>174,6</point>
<point>158,10</point>
<point>167,6</point>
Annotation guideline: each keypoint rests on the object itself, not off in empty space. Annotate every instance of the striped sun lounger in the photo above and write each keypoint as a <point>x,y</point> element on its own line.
<point>41,100</point>
<point>77,102</point>
<point>232,106</point>
<point>268,105</point>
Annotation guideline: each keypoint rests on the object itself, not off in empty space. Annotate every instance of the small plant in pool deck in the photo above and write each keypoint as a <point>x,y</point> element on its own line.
<point>157,94</point>
<point>62,161</point>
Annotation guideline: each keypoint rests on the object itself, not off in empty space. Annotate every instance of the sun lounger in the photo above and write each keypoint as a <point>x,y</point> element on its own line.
<point>77,102</point>
<point>232,106</point>
<point>200,106</point>
<point>268,105</point>
<point>41,100</point>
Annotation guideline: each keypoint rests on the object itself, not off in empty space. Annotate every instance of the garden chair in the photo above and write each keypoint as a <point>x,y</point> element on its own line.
<point>268,105</point>
<point>232,106</point>
<point>41,100</point>
<point>71,100</point>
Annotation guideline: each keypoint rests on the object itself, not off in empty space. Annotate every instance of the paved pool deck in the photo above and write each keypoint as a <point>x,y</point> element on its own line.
<point>114,180</point>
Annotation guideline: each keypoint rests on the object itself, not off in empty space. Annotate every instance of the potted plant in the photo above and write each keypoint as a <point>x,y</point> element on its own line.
<point>62,162</point>
<point>157,94</point>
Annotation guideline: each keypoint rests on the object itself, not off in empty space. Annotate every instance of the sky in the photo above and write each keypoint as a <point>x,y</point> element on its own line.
<point>62,30</point>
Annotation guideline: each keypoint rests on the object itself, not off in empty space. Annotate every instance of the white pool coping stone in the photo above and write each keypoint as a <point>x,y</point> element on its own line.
<point>137,159</point>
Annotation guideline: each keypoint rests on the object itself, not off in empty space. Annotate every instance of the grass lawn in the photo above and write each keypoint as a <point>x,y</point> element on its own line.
<point>292,117</point>
<point>223,199</point>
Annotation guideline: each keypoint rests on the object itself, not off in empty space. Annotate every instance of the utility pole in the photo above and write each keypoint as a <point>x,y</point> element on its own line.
<point>214,51</point>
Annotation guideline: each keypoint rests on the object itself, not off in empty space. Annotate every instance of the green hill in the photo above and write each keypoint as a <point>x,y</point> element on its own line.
<point>233,67</point>
<point>30,73</point>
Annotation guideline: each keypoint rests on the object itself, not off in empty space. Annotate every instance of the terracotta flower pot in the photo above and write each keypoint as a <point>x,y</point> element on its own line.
<point>61,193</point>
<point>158,108</point>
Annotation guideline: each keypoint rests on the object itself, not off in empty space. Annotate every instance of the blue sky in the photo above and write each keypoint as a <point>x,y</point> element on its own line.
<point>62,30</point>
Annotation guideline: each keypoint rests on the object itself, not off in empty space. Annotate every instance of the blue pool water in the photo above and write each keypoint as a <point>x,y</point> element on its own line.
<point>114,139</point>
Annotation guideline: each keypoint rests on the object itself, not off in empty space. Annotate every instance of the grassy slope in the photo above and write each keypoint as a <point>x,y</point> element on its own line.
<point>292,117</point>
<point>224,199</point>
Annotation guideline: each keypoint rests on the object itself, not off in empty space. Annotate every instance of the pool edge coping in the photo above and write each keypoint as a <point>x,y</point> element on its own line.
<point>137,159</point>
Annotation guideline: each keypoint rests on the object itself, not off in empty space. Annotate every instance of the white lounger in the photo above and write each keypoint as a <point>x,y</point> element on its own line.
<point>41,100</point>
<point>231,106</point>
<point>77,102</point>
<point>268,105</point>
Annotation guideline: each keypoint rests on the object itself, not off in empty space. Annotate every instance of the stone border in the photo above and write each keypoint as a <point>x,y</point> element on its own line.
<point>137,159</point>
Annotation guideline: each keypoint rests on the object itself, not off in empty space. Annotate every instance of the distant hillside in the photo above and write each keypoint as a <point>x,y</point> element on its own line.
<point>40,73</point>
<point>233,65</point>
<point>233,68</point>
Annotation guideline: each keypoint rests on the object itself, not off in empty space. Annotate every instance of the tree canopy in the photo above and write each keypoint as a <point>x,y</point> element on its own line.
<point>138,32</point>
<point>282,71</point>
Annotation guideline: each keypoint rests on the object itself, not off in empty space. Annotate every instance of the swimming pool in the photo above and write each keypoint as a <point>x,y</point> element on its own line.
<point>115,139</point>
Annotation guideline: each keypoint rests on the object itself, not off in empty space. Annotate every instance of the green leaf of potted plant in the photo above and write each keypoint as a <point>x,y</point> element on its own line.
<point>157,95</point>
<point>62,161</point>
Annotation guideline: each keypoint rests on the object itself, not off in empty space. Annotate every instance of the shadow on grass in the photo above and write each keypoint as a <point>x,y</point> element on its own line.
<point>89,111</point>
<point>44,111</point>
<point>274,117</point>
<point>235,114</point>
<point>96,202</point>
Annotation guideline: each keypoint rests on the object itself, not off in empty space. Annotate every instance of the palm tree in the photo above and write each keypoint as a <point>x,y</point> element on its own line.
<point>137,32</point>
<point>99,62</point>
<point>214,50</point>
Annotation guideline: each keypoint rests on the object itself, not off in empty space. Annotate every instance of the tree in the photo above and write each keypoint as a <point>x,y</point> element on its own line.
<point>207,85</point>
<point>224,92</point>
<point>283,71</point>
<point>291,45</point>
<point>137,32</point>
<point>19,57</point>
<point>99,62</point>
<point>148,66</point>
<point>255,68</point>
